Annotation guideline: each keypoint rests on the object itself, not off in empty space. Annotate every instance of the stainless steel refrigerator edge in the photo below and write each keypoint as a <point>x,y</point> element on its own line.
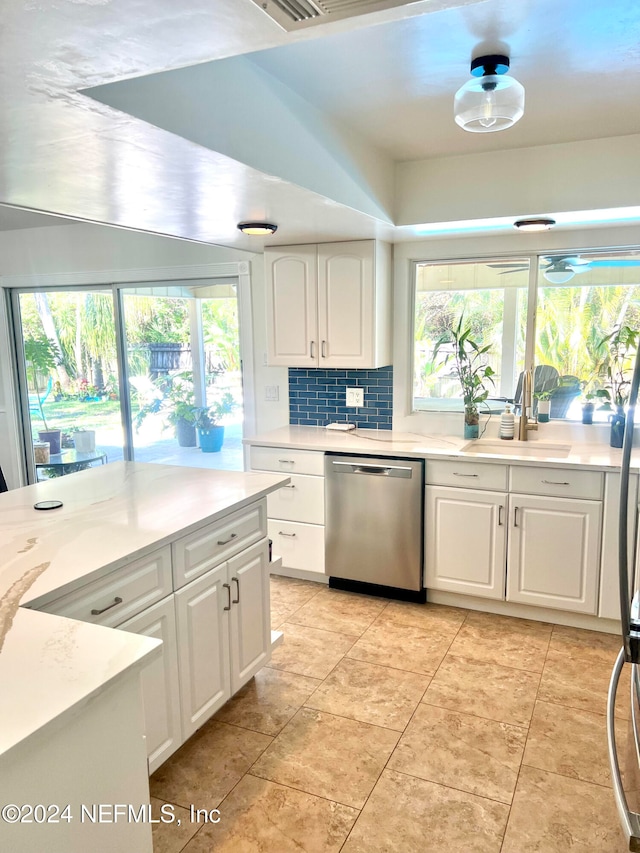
<point>626,778</point>
<point>374,522</point>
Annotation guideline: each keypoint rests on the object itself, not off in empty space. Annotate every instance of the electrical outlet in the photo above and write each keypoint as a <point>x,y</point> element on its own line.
<point>272,392</point>
<point>355,397</point>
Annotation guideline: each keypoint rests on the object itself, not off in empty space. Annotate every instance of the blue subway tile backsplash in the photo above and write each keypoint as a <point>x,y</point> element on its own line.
<point>318,397</point>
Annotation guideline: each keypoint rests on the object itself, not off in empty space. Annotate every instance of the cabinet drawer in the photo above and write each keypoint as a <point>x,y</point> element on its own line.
<point>289,461</point>
<point>301,500</point>
<point>121,594</point>
<point>301,546</point>
<point>474,475</point>
<point>564,482</point>
<point>195,554</point>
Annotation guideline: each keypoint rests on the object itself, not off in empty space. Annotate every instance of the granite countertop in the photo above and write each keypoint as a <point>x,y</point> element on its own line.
<point>596,455</point>
<point>50,664</point>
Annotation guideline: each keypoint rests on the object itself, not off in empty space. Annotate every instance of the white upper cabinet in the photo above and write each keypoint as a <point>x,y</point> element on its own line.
<point>329,305</point>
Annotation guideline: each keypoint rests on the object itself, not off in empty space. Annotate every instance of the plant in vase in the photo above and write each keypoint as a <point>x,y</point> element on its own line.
<point>472,370</point>
<point>544,405</point>
<point>210,430</point>
<point>615,368</point>
<point>588,407</point>
<point>41,357</point>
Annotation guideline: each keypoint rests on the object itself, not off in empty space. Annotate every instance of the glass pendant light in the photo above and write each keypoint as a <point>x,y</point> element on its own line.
<point>490,101</point>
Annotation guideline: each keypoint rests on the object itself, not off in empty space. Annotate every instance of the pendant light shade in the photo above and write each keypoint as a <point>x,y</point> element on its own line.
<point>491,101</point>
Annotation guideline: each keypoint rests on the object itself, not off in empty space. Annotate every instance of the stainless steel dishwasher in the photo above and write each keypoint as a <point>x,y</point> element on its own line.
<point>374,525</point>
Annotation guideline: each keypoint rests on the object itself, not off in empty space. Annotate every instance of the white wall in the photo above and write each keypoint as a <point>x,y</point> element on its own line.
<point>588,175</point>
<point>82,254</point>
<point>405,254</point>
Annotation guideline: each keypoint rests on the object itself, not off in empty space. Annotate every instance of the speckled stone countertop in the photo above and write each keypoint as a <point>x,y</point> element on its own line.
<point>49,664</point>
<point>536,451</point>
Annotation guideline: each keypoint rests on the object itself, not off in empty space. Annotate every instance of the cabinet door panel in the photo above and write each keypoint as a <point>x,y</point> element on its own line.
<point>465,541</point>
<point>250,627</point>
<point>554,552</point>
<point>203,647</point>
<point>346,304</point>
<point>292,314</point>
<point>160,683</point>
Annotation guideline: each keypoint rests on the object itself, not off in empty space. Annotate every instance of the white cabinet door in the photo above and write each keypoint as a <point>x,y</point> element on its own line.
<point>160,683</point>
<point>554,552</point>
<point>202,616</point>
<point>346,295</point>
<point>465,541</point>
<point>292,313</point>
<point>250,625</point>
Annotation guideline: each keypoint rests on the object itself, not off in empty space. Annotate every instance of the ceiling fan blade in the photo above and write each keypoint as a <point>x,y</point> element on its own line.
<point>615,262</point>
<point>508,266</point>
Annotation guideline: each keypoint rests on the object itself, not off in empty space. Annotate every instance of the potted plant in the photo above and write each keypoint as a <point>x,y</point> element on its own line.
<point>471,369</point>
<point>41,357</point>
<point>588,407</point>
<point>618,349</point>
<point>544,405</point>
<point>176,399</point>
<point>207,419</point>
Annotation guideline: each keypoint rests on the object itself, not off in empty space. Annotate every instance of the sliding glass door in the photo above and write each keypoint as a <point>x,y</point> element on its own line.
<point>178,394</point>
<point>69,373</point>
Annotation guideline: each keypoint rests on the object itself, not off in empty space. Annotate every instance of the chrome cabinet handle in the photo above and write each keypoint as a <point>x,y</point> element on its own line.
<point>228,588</point>
<point>456,474</point>
<point>117,600</point>
<point>226,541</point>
<point>500,508</point>
<point>288,535</point>
<point>556,483</point>
<point>324,349</point>
<point>289,487</point>
<point>237,582</point>
<point>515,516</point>
<point>312,349</point>
<point>286,461</point>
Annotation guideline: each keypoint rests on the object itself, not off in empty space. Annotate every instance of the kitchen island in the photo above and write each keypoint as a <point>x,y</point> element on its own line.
<point>72,723</point>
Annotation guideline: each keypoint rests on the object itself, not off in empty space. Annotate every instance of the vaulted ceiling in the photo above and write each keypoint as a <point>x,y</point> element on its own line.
<point>184,119</point>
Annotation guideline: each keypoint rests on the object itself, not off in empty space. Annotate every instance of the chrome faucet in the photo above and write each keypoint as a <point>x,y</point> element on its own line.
<point>525,408</point>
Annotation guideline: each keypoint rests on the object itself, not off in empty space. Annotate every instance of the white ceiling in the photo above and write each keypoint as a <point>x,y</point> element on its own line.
<point>387,79</point>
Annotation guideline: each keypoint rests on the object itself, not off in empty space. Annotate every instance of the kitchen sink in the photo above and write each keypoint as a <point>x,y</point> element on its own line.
<point>539,449</point>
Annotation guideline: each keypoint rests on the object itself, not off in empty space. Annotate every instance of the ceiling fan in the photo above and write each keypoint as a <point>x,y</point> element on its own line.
<point>562,268</point>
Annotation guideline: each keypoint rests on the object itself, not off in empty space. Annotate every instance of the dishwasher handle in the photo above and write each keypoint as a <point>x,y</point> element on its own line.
<point>375,470</point>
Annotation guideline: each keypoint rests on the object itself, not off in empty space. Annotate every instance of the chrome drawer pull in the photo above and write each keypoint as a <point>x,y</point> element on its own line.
<point>226,541</point>
<point>455,474</point>
<point>117,600</point>
<point>236,600</point>
<point>312,349</point>
<point>288,535</point>
<point>515,516</point>
<point>286,461</point>
<point>288,487</point>
<point>556,483</point>
<point>500,508</point>
<point>324,349</point>
<point>228,588</point>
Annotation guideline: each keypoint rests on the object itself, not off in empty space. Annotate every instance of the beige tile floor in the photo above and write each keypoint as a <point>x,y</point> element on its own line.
<point>385,727</point>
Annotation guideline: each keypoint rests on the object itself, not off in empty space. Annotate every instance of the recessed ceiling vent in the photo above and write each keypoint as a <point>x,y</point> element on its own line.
<point>296,14</point>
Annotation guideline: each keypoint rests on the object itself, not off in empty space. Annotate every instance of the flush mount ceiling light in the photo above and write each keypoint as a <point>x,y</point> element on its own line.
<point>257,229</point>
<point>543,223</point>
<point>490,101</point>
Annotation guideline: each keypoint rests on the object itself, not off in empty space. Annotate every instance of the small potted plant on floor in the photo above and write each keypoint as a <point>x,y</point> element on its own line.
<point>472,370</point>
<point>207,420</point>
<point>174,397</point>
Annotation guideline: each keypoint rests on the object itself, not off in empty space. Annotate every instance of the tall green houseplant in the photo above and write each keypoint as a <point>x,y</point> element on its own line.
<point>472,370</point>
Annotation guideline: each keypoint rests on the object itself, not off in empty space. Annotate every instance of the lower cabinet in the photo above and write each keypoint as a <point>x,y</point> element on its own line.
<point>553,554</point>
<point>160,683</point>
<point>223,631</point>
<point>531,549</point>
<point>465,543</point>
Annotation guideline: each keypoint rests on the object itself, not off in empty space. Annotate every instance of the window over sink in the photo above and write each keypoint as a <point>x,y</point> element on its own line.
<point>545,311</point>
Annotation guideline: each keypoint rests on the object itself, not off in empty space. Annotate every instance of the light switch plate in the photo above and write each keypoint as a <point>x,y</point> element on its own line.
<point>272,392</point>
<point>355,397</point>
